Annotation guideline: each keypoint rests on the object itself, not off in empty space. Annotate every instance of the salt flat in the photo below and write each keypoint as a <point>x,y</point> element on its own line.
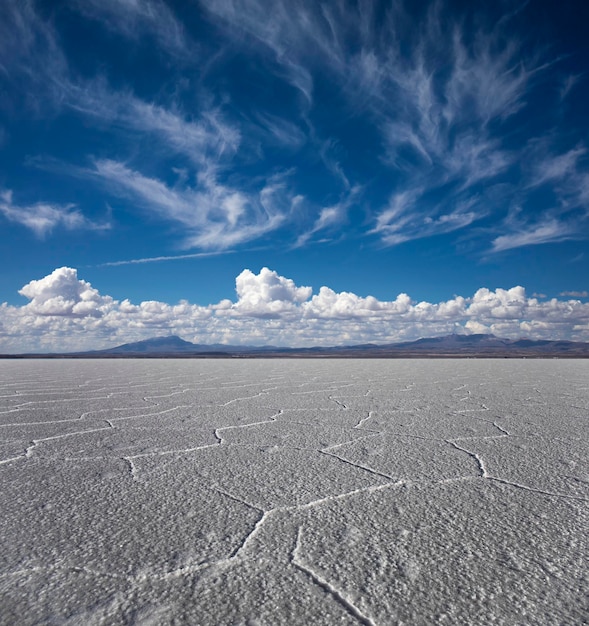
<point>294,492</point>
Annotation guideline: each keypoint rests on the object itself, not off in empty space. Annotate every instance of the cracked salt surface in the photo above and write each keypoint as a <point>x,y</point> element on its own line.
<point>294,492</point>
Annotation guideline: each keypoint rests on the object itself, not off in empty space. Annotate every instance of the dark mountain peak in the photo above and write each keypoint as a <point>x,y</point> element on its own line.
<point>167,340</point>
<point>454,345</point>
<point>169,343</point>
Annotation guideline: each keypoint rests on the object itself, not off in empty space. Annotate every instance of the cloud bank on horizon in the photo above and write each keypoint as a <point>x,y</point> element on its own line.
<point>65,313</point>
<point>438,138</point>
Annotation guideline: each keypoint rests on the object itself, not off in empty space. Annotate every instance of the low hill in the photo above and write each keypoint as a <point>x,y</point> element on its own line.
<point>451,346</point>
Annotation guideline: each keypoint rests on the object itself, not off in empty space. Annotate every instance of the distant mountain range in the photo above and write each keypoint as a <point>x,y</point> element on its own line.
<point>449,346</point>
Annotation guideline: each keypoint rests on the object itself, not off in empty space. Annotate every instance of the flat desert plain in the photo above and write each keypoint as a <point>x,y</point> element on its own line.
<point>294,492</point>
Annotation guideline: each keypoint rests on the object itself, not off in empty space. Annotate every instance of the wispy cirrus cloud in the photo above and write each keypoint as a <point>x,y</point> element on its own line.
<point>438,96</point>
<point>403,221</point>
<point>574,294</point>
<point>135,18</point>
<point>282,29</point>
<point>563,177</point>
<point>568,84</point>
<point>451,95</point>
<point>440,102</point>
<point>161,259</point>
<point>563,168</point>
<point>212,215</point>
<point>43,217</point>
<point>204,137</point>
<point>331,218</point>
<point>32,62</point>
<point>565,174</point>
<point>279,131</point>
<point>327,152</point>
<point>547,230</point>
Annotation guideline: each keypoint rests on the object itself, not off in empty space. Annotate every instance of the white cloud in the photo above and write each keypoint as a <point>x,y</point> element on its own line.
<point>547,231</point>
<point>328,304</point>
<point>31,59</point>
<point>279,131</point>
<point>213,215</point>
<point>205,138</point>
<point>557,167</point>
<point>563,174</point>
<point>132,18</point>
<point>267,294</point>
<point>498,304</point>
<point>331,217</point>
<point>62,294</point>
<point>575,294</point>
<point>328,152</point>
<point>43,217</point>
<point>160,259</point>
<point>476,328</point>
<point>407,217</point>
<point>284,29</point>
<point>488,78</point>
<point>440,94</point>
<point>66,313</point>
<point>436,94</point>
<point>435,115</point>
<point>568,84</point>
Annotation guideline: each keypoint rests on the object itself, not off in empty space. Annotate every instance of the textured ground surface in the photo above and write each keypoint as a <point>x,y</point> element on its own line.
<point>294,492</point>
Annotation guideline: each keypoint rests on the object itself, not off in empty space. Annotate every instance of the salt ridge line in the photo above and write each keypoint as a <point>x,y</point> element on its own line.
<point>335,593</point>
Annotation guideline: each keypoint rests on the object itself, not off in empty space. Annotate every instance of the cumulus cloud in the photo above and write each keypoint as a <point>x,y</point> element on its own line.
<point>328,304</point>
<point>267,294</point>
<point>66,313</point>
<point>61,293</point>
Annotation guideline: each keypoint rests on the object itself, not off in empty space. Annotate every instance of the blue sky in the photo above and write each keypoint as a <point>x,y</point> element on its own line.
<point>401,169</point>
